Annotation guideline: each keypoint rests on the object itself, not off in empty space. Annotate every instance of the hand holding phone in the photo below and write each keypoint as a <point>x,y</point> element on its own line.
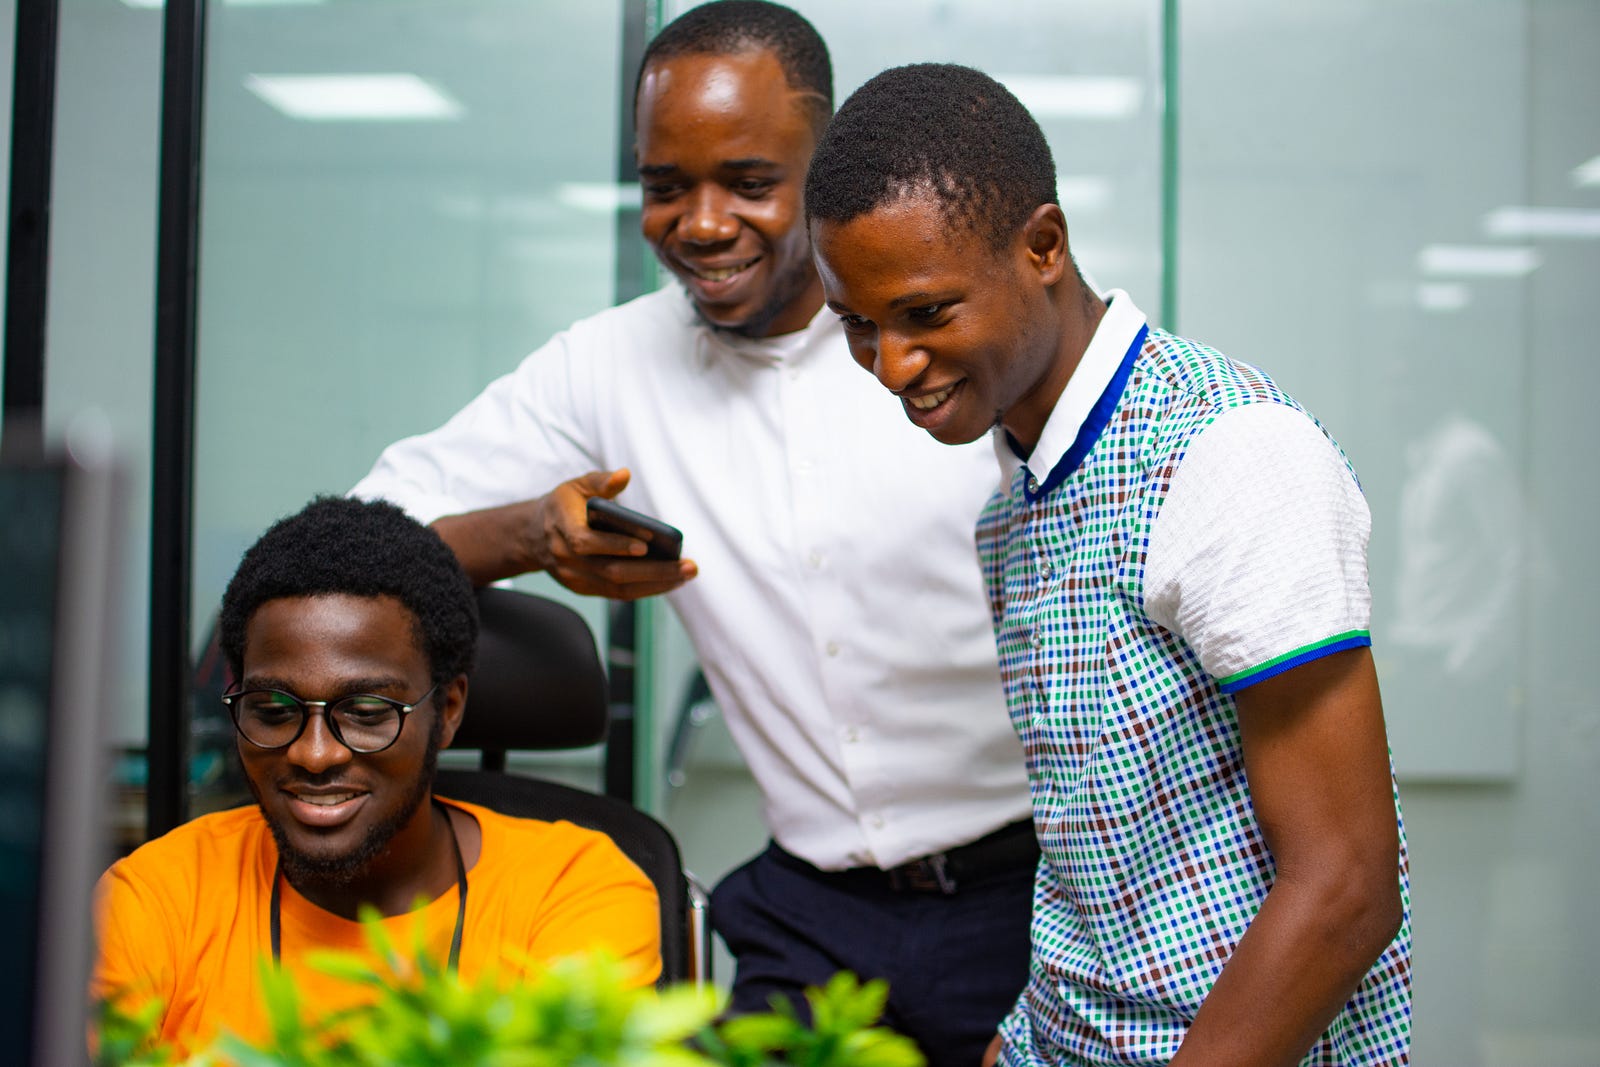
<point>662,541</point>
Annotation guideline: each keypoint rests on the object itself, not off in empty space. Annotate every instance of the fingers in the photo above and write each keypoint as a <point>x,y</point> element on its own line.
<point>603,483</point>
<point>623,579</point>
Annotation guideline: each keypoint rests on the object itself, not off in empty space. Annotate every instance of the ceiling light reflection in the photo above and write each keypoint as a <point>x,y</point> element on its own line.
<point>1541,222</point>
<point>1053,96</point>
<point>354,97</point>
<point>1443,296</point>
<point>600,198</point>
<point>1587,173</point>
<point>1487,261</point>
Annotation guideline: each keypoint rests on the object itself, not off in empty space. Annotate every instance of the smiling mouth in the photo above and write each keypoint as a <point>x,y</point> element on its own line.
<point>720,274</point>
<point>929,401</point>
<point>324,800</point>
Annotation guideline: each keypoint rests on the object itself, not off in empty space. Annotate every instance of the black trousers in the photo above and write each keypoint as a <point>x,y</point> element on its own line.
<point>955,962</point>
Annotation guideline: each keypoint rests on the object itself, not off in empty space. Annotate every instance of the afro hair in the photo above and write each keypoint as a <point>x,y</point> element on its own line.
<point>337,545</point>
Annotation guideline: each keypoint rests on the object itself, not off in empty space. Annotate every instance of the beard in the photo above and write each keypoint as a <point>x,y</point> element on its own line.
<point>786,288</point>
<point>304,869</point>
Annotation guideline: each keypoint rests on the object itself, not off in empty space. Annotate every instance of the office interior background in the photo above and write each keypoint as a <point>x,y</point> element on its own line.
<point>1393,206</point>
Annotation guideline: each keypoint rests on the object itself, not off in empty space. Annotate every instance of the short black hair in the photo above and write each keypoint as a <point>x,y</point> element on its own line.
<point>728,27</point>
<point>948,130</point>
<point>359,548</point>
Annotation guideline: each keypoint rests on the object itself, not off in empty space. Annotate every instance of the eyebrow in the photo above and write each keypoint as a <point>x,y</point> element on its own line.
<point>351,687</point>
<point>656,170</point>
<point>921,296</point>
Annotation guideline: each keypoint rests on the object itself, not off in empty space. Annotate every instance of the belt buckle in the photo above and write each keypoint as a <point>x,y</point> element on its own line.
<point>925,875</point>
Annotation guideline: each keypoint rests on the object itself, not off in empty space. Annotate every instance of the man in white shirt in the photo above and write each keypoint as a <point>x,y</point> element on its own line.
<point>833,595</point>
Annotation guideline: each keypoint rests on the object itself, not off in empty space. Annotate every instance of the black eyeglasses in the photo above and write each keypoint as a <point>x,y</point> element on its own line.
<point>365,722</point>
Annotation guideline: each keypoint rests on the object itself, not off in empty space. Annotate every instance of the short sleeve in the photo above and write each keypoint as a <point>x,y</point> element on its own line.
<point>1258,556</point>
<point>133,957</point>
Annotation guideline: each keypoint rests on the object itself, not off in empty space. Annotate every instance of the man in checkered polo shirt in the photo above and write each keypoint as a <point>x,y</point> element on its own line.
<point>1176,562</point>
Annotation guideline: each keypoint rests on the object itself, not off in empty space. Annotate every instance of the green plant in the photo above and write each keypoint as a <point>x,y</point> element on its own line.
<point>578,1012</point>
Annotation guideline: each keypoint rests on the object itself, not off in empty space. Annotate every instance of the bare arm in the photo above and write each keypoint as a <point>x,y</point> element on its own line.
<point>1317,761</point>
<point>551,533</point>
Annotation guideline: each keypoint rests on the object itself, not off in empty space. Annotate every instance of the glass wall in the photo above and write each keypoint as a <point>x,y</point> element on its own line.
<point>100,323</point>
<point>1392,207</point>
<point>401,199</point>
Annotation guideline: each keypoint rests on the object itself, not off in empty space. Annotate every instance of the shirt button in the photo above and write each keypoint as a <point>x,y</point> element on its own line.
<point>1033,484</point>
<point>833,648</point>
<point>815,559</point>
<point>1045,570</point>
<point>851,734</point>
<point>1037,641</point>
<point>877,822</point>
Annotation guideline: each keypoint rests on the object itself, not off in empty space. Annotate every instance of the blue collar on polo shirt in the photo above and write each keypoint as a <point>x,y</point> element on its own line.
<point>1085,405</point>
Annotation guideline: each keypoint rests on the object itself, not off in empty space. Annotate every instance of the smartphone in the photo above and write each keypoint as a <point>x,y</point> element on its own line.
<point>663,541</point>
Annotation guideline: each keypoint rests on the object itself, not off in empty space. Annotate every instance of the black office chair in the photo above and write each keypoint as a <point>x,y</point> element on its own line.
<point>539,685</point>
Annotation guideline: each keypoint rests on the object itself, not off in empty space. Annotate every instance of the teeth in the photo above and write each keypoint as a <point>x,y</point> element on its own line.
<point>326,801</point>
<point>929,402</point>
<point>719,274</point>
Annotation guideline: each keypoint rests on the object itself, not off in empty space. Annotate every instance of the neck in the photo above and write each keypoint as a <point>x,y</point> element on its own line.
<point>418,863</point>
<point>1078,312</point>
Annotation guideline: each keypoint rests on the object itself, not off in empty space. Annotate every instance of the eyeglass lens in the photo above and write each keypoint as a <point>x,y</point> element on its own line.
<point>274,719</point>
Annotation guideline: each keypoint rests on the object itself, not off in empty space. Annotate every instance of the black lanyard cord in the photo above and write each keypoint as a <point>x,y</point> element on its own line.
<point>275,921</point>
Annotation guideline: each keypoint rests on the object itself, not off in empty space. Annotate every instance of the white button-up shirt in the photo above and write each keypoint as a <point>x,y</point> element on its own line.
<point>839,613</point>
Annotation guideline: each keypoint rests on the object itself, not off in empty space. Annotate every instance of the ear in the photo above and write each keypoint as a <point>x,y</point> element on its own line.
<point>1044,236</point>
<point>452,703</point>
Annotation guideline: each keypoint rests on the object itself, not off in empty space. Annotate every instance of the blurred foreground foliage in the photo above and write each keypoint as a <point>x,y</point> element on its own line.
<point>578,1012</point>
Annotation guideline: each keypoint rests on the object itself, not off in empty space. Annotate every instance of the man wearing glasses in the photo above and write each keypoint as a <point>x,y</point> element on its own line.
<point>350,629</point>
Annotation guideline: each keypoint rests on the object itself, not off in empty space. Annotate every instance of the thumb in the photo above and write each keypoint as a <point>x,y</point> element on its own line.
<point>604,483</point>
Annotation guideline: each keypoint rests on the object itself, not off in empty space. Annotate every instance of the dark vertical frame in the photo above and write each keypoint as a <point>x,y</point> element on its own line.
<point>33,104</point>
<point>172,454</point>
<point>1169,165</point>
<point>618,773</point>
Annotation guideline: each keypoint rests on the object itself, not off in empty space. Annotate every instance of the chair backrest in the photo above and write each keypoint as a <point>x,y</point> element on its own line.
<point>540,686</point>
<point>641,838</point>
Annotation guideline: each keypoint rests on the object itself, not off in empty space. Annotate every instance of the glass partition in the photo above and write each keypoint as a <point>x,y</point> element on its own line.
<point>1395,209</point>
<point>400,201</point>
<point>100,320</point>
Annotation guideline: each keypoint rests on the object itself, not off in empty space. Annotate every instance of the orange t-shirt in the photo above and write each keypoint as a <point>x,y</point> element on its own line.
<point>185,918</point>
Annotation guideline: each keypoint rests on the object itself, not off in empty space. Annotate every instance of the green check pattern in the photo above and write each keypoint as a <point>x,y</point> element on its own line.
<point>1153,863</point>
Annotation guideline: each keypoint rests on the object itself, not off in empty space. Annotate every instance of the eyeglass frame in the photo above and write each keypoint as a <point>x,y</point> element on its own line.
<point>305,707</point>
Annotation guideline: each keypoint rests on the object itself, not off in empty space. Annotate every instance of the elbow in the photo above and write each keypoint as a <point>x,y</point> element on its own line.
<point>1380,919</point>
<point>1364,914</point>
<point>1355,909</point>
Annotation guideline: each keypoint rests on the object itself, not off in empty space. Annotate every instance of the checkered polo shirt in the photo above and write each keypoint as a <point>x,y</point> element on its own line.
<point>1153,862</point>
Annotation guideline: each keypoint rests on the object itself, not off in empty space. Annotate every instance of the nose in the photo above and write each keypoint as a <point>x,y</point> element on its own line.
<point>898,362</point>
<point>706,218</point>
<point>316,749</point>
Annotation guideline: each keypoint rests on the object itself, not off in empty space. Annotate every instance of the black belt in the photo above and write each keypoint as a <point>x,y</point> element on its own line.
<point>1009,849</point>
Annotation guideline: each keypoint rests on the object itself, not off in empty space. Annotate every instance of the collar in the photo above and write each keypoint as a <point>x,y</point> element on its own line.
<point>1084,406</point>
<point>785,348</point>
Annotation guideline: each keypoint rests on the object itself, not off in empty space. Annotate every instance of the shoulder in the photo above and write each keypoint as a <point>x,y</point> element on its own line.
<point>544,851</point>
<point>210,854</point>
<point>1188,368</point>
<point>661,316</point>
